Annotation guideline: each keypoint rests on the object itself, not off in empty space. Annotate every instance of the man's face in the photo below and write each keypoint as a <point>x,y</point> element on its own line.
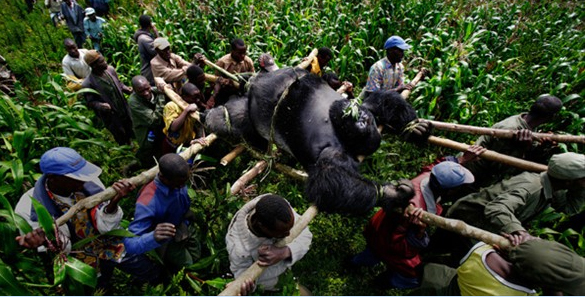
<point>66,184</point>
<point>93,17</point>
<point>192,97</point>
<point>165,54</point>
<point>68,2</point>
<point>99,65</point>
<point>72,50</point>
<point>323,61</point>
<point>200,81</point>
<point>394,55</point>
<point>143,91</point>
<point>239,53</point>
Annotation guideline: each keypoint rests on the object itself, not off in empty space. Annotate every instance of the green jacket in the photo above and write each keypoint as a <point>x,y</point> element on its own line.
<point>488,172</point>
<point>146,116</point>
<point>505,206</point>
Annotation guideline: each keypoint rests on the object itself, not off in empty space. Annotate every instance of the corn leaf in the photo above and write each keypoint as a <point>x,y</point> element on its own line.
<point>80,272</point>
<point>45,219</point>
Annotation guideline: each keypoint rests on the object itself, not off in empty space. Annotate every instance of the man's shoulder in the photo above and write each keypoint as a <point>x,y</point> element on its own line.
<point>226,58</point>
<point>147,194</point>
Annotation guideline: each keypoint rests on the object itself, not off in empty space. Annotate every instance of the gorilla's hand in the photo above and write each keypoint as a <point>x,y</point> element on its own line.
<point>396,196</point>
<point>417,131</point>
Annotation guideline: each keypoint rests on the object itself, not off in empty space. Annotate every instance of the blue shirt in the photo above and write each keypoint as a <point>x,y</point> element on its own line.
<point>93,28</point>
<point>156,204</point>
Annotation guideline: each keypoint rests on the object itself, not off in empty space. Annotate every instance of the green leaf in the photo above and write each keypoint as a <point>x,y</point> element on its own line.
<point>117,232</point>
<point>58,270</point>
<point>218,283</point>
<point>81,272</point>
<point>203,263</point>
<point>7,238</point>
<point>8,284</point>
<point>45,219</point>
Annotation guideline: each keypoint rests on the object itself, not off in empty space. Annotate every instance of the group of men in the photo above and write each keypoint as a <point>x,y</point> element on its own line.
<point>162,220</point>
<point>82,23</point>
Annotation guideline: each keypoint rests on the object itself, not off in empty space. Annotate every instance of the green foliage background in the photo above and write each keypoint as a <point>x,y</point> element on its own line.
<point>488,60</point>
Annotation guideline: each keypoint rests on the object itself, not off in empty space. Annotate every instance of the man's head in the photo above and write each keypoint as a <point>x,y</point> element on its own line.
<point>266,62</point>
<point>447,176</point>
<point>174,171</point>
<point>395,47</point>
<point>190,93</point>
<point>67,171</point>
<point>68,2</point>
<point>324,55</point>
<point>567,171</point>
<point>95,61</point>
<point>196,76</point>
<point>545,108</point>
<point>549,265</point>
<point>239,49</point>
<point>71,48</point>
<point>145,22</point>
<point>90,13</point>
<point>163,48</point>
<point>141,87</point>
<point>273,217</point>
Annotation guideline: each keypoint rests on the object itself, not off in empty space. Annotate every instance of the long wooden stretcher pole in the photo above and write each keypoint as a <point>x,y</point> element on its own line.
<point>139,180</point>
<point>502,133</point>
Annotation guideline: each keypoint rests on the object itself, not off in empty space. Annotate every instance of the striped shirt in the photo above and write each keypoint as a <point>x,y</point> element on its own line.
<point>385,76</point>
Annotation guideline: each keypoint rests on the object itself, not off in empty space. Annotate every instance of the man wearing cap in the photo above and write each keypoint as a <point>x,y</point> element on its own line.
<point>109,104</point>
<point>388,73</point>
<point>397,240</point>
<point>73,15</point>
<point>165,64</point>
<point>93,28</point>
<point>505,206</point>
<point>144,37</point>
<point>487,271</point>
<point>74,67</point>
<point>68,178</point>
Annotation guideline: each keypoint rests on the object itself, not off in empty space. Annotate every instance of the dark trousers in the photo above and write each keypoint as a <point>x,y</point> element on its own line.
<point>79,38</point>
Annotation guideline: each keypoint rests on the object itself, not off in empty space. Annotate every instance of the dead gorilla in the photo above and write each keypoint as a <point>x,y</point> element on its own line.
<point>309,121</point>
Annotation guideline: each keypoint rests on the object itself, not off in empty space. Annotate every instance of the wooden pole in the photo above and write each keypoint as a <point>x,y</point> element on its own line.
<point>213,78</point>
<point>502,133</point>
<point>232,155</point>
<point>223,71</point>
<point>248,176</point>
<point>463,228</point>
<point>342,89</point>
<point>304,64</point>
<point>254,271</point>
<point>139,180</point>
<point>490,155</point>
<point>419,76</point>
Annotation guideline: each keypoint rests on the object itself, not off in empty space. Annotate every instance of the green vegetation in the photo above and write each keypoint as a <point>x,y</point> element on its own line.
<point>488,60</point>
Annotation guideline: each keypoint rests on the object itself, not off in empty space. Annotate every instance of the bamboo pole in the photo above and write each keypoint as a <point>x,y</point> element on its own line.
<point>223,71</point>
<point>419,76</point>
<point>489,155</point>
<point>248,176</point>
<point>139,180</point>
<point>232,155</point>
<point>463,229</point>
<point>502,133</point>
<point>291,172</point>
<point>254,271</point>
<point>213,78</point>
<point>179,101</point>
<point>304,64</point>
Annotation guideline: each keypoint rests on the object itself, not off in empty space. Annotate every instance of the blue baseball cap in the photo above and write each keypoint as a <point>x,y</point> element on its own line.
<point>450,175</point>
<point>67,162</point>
<point>396,41</point>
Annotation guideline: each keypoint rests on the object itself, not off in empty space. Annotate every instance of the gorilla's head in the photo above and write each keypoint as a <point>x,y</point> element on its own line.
<point>390,110</point>
<point>355,129</point>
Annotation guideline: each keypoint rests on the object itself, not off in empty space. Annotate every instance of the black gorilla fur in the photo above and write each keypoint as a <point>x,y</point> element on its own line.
<point>308,121</point>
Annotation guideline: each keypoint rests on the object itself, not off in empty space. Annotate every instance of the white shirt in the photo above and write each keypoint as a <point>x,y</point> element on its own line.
<point>242,246</point>
<point>76,66</point>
